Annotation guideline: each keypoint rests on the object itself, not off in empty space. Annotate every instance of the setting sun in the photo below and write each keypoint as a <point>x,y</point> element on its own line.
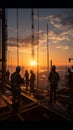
<point>33,63</point>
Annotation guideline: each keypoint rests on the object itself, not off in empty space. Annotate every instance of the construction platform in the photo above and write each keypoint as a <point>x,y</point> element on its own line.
<point>32,107</point>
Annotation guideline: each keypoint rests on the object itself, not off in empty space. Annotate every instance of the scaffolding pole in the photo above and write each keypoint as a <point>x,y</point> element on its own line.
<point>47,51</point>
<point>17,41</point>
<point>38,54</point>
<point>32,36</point>
<point>47,58</point>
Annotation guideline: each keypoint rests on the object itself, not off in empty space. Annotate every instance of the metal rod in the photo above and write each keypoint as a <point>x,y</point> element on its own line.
<point>38,54</point>
<point>47,50</point>
<point>32,35</point>
<point>17,40</point>
<point>47,58</point>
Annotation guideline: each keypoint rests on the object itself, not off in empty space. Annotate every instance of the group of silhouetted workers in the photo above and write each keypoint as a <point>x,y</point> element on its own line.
<point>53,78</point>
<point>29,81</point>
<point>17,80</point>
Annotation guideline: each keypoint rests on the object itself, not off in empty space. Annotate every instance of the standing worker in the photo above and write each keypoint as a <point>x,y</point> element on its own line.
<point>26,77</point>
<point>70,82</point>
<point>54,79</point>
<point>70,106</point>
<point>16,81</point>
<point>68,77</point>
<point>32,81</point>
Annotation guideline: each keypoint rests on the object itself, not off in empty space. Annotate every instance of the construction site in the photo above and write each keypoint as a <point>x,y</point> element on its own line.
<point>35,107</point>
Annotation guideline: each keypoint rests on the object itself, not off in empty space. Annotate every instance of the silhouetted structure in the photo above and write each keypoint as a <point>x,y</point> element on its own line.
<point>68,77</point>
<point>70,106</point>
<point>26,77</point>
<point>32,81</point>
<point>3,42</point>
<point>71,81</point>
<point>7,75</point>
<point>16,81</point>
<point>54,79</point>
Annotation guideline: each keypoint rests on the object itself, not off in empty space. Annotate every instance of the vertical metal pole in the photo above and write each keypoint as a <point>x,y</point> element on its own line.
<point>11,64</point>
<point>4,39</point>
<point>47,51</point>
<point>47,57</point>
<point>38,54</point>
<point>17,41</point>
<point>32,36</point>
<point>32,43</point>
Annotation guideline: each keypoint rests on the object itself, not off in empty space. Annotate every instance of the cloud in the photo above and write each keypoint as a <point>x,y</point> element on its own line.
<point>27,42</point>
<point>21,42</point>
<point>42,18</point>
<point>63,24</point>
<point>12,29</point>
<point>54,36</point>
<point>64,20</point>
<point>65,47</point>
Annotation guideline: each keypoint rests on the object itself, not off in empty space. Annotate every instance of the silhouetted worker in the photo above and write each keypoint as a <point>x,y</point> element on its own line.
<point>71,82</point>
<point>70,106</point>
<point>32,81</point>
<point>16,81</point>
<point>7,75</point>
<point>26,77</point>
<point>54,79</point>
<point>68,77</point>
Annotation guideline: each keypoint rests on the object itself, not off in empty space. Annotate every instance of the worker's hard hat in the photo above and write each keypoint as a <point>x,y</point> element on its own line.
<point>18,68</point>
<point>53,67</point>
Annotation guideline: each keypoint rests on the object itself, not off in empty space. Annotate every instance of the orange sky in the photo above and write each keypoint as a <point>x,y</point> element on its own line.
<point>25,57</point>
<point>60,36</point>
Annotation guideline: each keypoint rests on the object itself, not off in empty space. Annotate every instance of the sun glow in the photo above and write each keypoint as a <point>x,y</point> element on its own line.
<point>33,63</point>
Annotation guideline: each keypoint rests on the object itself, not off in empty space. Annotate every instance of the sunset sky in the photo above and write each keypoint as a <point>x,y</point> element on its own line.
<point>60,35</point>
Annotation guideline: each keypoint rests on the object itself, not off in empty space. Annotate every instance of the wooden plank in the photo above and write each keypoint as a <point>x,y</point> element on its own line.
<point>2,103</point>
<point>7,85</point>
<point>27,105</point>
<point>28,109</point>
